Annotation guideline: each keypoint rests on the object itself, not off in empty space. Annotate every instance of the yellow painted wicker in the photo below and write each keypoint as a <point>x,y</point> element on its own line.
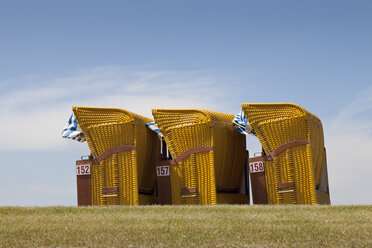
<point>184,129</point>
<point>106,128</point>
<point>277,124</point>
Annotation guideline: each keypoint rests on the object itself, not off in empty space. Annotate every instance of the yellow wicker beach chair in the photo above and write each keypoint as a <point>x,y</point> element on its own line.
<point>295,165</point>
<point>125,153</point>
<point>208,156</point>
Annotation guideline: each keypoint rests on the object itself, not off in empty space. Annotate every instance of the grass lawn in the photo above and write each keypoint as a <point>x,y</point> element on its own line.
<point>187,226</point>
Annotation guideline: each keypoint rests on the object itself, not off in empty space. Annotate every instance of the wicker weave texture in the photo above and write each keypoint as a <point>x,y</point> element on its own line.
<point>277,124</point>
<point>106,128</point>
<point>184,129</point>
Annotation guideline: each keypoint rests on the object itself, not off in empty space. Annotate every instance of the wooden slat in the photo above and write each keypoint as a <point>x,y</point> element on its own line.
<point>285,185</point>
<point>84,190</point>
<point>259,191</point>
<point>106,190</point>
<point>106,154</point>
<point>189,190</point>
<point>164,190</point>
<point>288,145</point>
<point>191,151</point>
<point>84,162</point>
<point>186,154</point>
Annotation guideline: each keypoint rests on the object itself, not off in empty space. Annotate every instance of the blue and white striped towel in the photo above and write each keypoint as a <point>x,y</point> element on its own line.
<point>242,125</point>
<point>154,128</point>
<point>73,131</point>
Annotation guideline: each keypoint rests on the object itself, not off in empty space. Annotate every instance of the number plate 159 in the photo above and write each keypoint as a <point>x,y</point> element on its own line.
<point>162,171</point>
<point>83,169</point>
<point>255,167</point>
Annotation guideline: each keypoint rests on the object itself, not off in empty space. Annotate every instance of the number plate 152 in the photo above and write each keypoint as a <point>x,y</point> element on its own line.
<point>162,171</point>
<point>256,167</point>
<point>83,169</point>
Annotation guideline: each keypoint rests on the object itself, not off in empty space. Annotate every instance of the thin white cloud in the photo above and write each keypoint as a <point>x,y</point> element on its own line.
<point>33,118</point>
<point>348,139</point>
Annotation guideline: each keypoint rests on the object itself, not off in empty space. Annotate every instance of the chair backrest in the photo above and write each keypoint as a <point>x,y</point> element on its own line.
<point>293,139</point>
<point>129,152</point>
<point>189,131</point>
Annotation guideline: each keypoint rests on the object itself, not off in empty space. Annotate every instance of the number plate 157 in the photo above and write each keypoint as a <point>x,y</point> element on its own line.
<point>162,171</point>
<point>255,167</point>
<point>83,169</point>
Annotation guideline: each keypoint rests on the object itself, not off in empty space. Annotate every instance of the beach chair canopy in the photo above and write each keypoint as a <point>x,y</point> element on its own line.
<point>209,151</point>
<point>126,152</point>
<point>294,144</point>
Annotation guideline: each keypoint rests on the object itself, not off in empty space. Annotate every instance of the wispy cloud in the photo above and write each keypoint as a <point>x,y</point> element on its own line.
<point>348,139</point>
<point>33,118</point>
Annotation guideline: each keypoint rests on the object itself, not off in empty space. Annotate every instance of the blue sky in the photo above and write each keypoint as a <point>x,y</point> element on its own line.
<point>140,55</point>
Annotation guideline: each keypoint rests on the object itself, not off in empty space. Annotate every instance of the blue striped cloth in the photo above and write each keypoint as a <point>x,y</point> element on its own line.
<point>73,131</point>
<point>242,125</point>
<point>154,128</point>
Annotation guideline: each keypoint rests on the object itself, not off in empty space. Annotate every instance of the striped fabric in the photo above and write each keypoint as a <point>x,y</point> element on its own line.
<point>73,131</point>
<point>154,128</point>
<point>242,125</point>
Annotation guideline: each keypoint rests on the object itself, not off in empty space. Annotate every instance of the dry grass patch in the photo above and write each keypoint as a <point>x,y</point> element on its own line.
<point>187,226</point>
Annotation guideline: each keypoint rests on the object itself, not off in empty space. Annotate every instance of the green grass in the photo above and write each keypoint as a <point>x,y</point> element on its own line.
<point>187,226</point>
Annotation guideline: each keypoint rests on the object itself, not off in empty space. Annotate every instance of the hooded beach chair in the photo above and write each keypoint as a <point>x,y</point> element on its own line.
<point>124,154</point>
<point>208,156</point>
<point>295,161</point>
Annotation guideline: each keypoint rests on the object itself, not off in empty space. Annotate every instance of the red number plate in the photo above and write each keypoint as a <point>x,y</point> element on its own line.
<point>162,171</point>
<point>255,167</point>
<point>83,169</point>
